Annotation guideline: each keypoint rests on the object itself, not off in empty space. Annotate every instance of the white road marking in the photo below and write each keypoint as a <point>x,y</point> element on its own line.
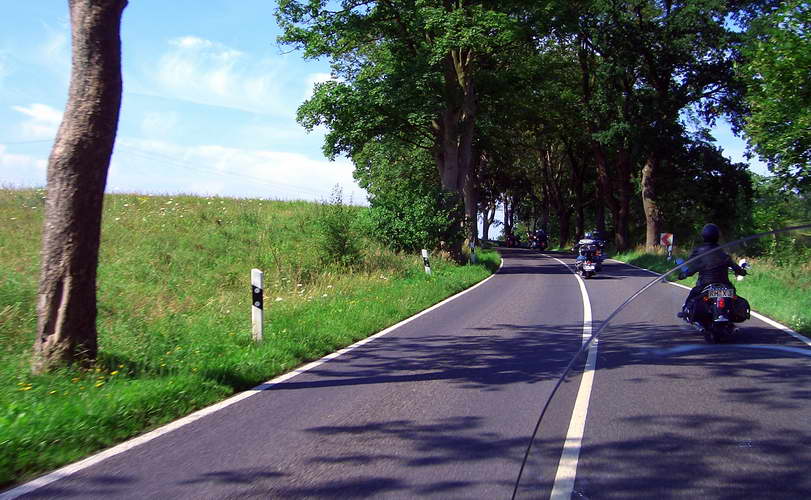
<point>132,443</point>
<point>802,338</point>
<point>563,486</point>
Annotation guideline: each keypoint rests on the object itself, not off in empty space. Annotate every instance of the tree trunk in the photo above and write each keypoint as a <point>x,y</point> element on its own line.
<point>508,216</point>
<point>579,215</point>
<point>488,216</point>
<point>653,214</point>
<point>604,183</point>
<point>564,227</point>
<point>471,199</point>
<point>625,191</point>
<point>77,175</point>
<point>599,210</point>
<point>455,130</point>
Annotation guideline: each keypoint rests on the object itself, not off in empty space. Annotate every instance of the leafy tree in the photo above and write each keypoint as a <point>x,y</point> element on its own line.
<point>408,208</point>
<point>407,70</point>
<point>77,174</point>
<point>774,207</point>
<point>778,86</point>
<point>703,186</point>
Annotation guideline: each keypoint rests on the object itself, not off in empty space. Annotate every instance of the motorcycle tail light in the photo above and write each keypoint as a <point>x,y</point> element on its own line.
<point>721,303</point>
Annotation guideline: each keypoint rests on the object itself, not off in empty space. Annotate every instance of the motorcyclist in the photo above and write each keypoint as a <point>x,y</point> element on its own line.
<point>591,238</point>
<point>711,268</point>
<point>598,238</point>
<point>541,238</point>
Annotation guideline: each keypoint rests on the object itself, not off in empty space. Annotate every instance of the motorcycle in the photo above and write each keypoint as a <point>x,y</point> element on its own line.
<point>716,310</point>
<point>588,260</point>
<point>537,243</point>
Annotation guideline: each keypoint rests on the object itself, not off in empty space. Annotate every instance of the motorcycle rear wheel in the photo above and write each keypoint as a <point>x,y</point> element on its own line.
<point>719,332</point>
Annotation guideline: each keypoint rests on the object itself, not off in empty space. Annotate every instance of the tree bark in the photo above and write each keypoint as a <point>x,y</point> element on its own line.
<point>471,199</point>
<point>653,214</point>
<point>626,192</point>
<point>599,210</point>
<point>604,182</point>
<point>508,215</point>
<point>564,226</point>
<point>77,175</point>
<point>488,216</point>
<point>455,130</point>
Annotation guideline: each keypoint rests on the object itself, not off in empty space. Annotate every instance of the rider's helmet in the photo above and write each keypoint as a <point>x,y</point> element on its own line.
<point>710,233</point>
<point>589,236</point>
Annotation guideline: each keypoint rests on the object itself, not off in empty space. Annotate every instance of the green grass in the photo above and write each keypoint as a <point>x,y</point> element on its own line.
<point>174,315</point>
<point>781,292</point>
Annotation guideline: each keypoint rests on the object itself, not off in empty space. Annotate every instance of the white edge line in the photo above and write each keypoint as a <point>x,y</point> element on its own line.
<point>73,468</point>
<point>563,486</point>
<point>802,338</point>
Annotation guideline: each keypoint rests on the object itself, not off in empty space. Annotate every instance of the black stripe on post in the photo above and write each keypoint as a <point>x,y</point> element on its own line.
<point>257,296</point>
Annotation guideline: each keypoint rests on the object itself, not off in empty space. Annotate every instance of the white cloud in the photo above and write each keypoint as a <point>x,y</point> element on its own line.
<point>208,72</point>
<point>21,170</point>
<point>215,169</point>
<point>159,124</point>
<point>42,123</point>
<point>191,42</point>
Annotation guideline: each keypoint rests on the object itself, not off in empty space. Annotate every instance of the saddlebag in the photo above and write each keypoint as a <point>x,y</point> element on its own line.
<point>740,310</point>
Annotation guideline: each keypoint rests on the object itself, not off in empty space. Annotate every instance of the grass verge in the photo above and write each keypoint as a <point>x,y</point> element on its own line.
<point>174,315</point>
<point>781,292</point>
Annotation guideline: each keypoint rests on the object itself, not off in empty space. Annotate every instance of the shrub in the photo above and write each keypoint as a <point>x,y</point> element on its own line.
<point>338,234</point>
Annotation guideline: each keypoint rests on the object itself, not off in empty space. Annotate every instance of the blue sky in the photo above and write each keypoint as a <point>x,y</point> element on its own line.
<point>209,102</point>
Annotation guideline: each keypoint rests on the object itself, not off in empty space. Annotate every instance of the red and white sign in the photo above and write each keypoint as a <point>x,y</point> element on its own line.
<point>666,239</point>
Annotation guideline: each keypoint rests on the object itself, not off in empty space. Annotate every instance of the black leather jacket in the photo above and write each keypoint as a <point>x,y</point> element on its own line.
<point>713,267</point>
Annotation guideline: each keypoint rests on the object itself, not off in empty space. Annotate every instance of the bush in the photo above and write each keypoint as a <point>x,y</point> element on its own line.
<point>338,234</point>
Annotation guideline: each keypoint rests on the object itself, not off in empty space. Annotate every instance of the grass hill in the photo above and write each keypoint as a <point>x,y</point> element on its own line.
<point>174,314</point>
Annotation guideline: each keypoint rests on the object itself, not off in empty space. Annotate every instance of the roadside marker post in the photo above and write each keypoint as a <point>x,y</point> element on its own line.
<point>473,258</point>
<point>666,240</point>
<point>256,304</point>
<point>425,261</point>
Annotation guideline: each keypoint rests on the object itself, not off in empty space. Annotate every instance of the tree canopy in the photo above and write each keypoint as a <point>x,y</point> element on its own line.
<point>778,91</point>
<point>570,114</point>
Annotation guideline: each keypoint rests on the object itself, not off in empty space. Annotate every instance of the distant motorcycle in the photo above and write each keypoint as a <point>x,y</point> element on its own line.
<point>589,258</point>
<point>715,312</point>
<point>537,243</point>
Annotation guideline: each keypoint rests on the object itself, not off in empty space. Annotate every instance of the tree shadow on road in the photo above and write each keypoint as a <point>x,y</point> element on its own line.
<point>484,358</point>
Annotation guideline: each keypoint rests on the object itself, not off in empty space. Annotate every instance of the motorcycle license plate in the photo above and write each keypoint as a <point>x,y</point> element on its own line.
<point>717,293</point>
<point>588,267</point>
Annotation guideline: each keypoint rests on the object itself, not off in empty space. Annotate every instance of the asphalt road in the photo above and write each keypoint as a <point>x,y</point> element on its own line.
<point>445,405</point>
<point>672,417</point>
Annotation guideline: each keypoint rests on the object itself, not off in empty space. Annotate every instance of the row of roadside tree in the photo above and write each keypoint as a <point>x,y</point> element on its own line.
<point>567,114</point>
